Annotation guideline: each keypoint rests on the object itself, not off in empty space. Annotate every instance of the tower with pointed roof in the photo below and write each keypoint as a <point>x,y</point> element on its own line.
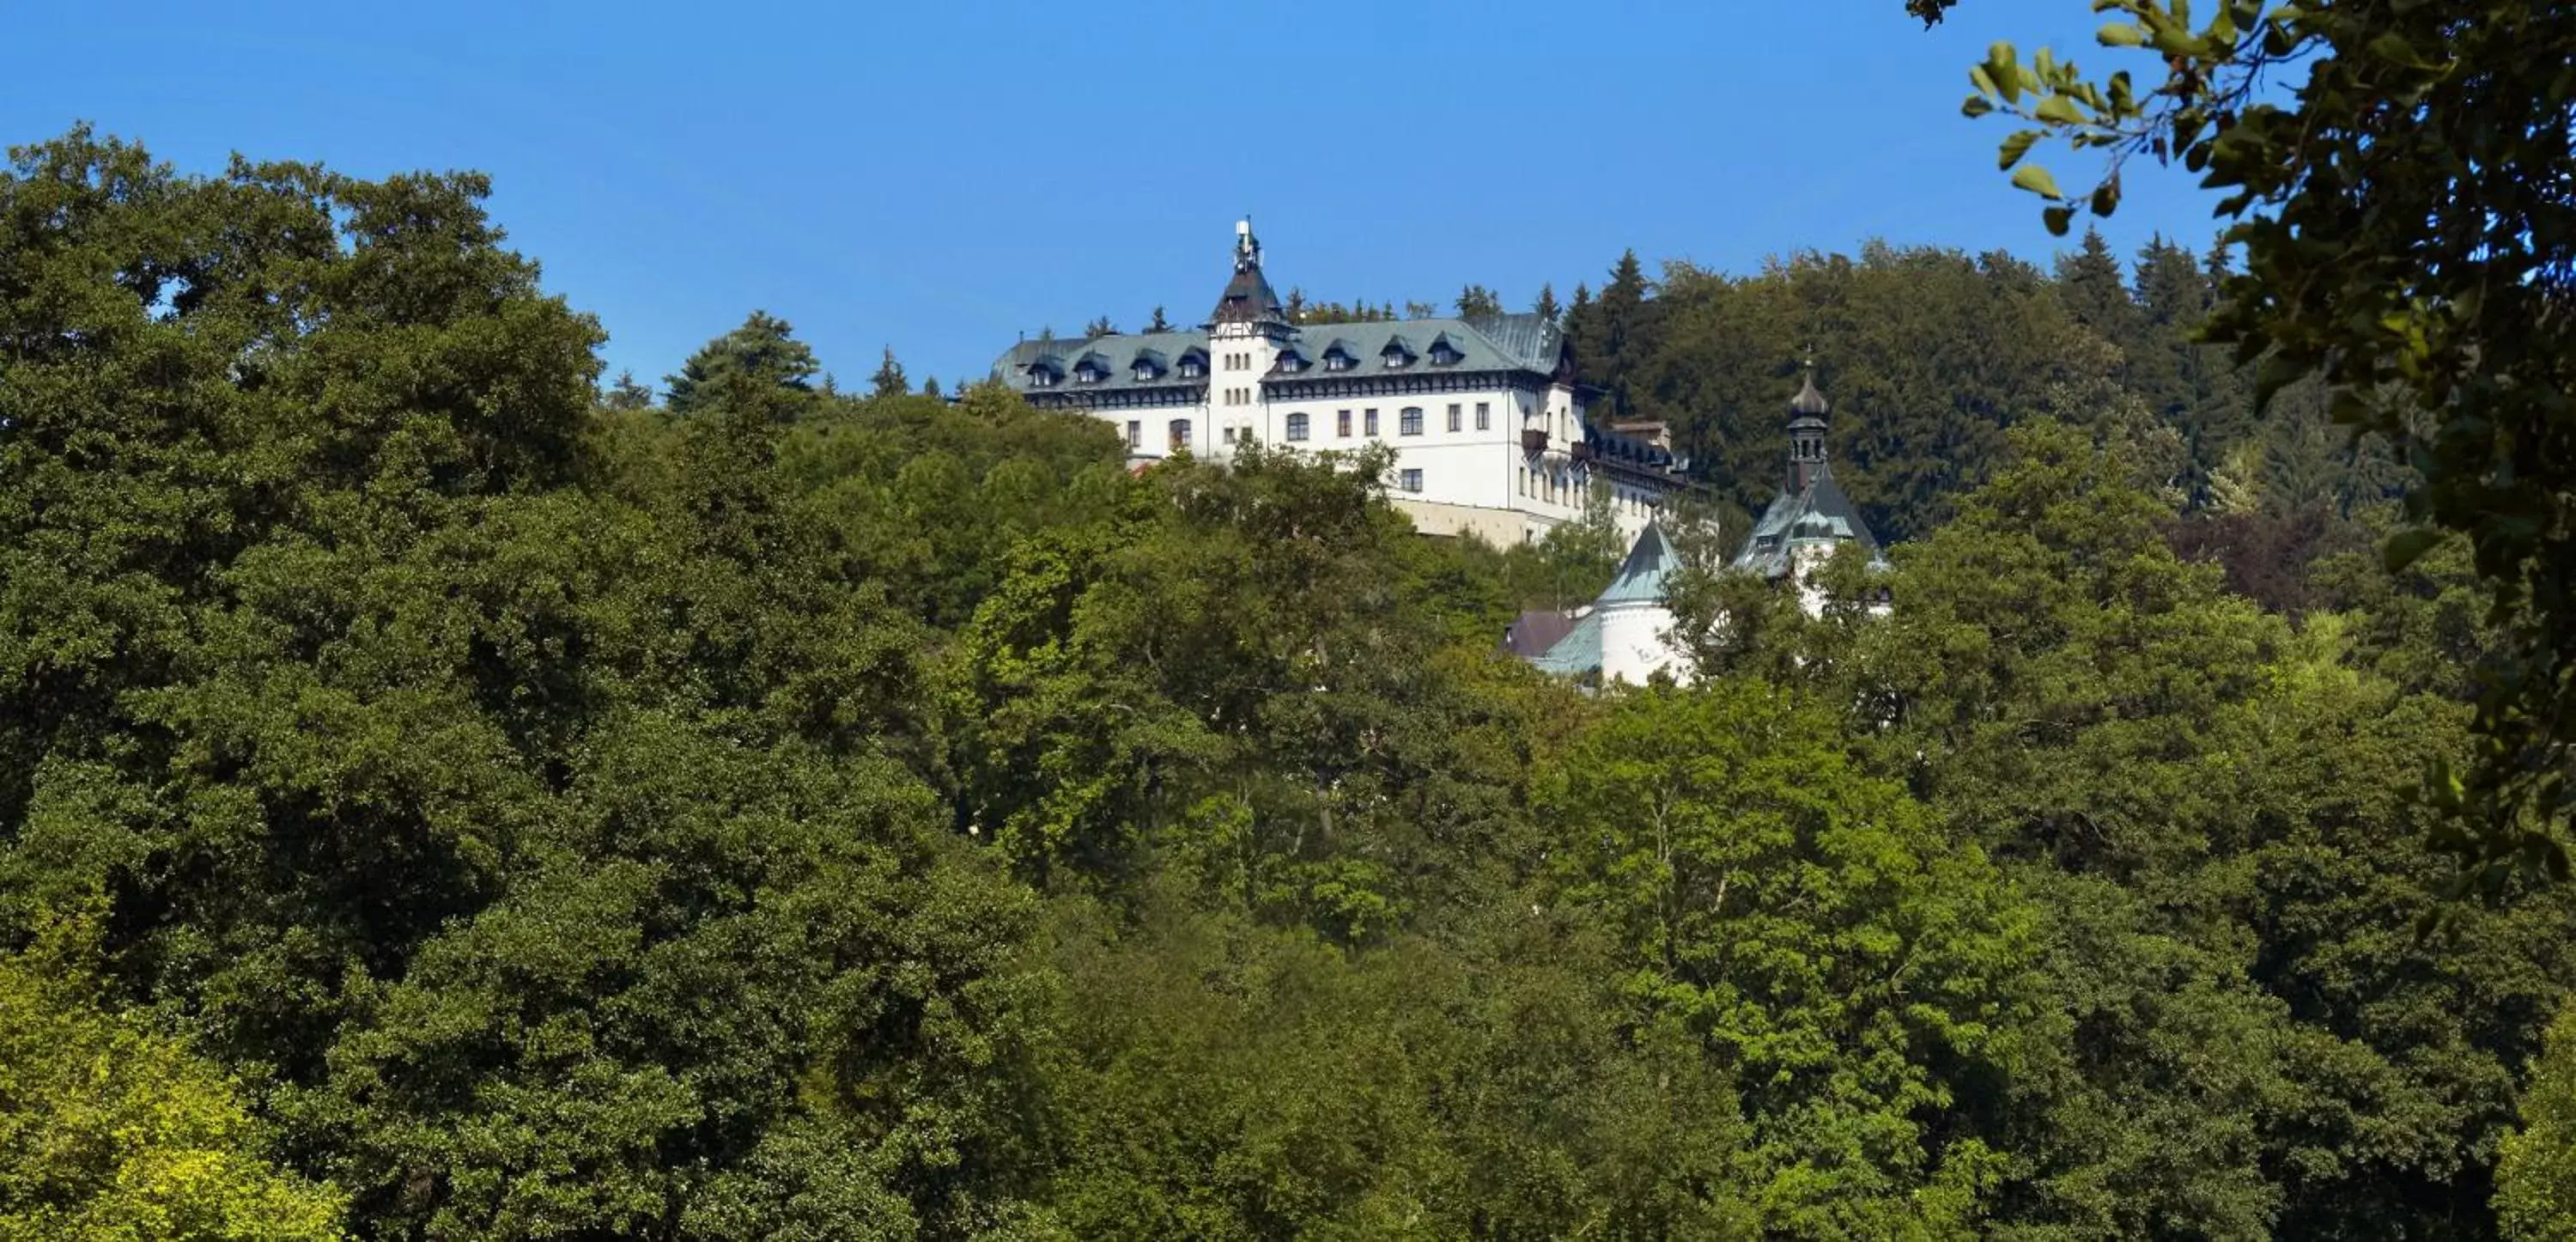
<point>1627,633</point>
<point>1811,516</point>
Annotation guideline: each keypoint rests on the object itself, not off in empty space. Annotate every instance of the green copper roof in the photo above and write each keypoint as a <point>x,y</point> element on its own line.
<point>1822,514</point>
<point>1641,581</point>
<point>1641,576</point>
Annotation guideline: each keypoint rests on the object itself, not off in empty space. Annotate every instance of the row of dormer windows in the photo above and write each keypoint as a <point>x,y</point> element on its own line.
<point>1193,365</point>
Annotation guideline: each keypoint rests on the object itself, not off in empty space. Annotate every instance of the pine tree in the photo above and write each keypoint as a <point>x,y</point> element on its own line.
<point>1161,324</point>
<point>1581,329</point>
<point>1621,343</point>
<point>1546,307</point>
<point>1099,327</point>
<point>764,347</point>
<point>890,380</point>
<point>2089,283</point>
<point>930,386</point>
<point>628,394</point>
<point>1478,302</point>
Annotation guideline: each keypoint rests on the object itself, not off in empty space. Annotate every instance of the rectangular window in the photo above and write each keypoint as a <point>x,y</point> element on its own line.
<point>1484,416</point>
<point>1409,421</point>
<point>1179,437</point>
<point>1411,480</point>
<point>1296,427</point>
<point>1229,435</point>
<point>1368,421</point>
<point>1342,424</point>
<point>1135,434</point>
<point>1453,416</point>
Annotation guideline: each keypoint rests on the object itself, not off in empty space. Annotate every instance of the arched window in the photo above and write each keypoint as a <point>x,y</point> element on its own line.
<point>1409,421</point>
<point>1180,434</point>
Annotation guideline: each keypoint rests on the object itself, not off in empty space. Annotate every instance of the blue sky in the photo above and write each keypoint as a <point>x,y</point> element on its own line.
<point>941,177</point>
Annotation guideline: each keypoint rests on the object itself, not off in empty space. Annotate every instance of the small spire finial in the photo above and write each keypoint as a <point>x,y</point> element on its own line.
<point>1810,401</point>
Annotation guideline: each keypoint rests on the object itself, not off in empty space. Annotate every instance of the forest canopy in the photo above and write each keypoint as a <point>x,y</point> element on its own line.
<point>455,800</point>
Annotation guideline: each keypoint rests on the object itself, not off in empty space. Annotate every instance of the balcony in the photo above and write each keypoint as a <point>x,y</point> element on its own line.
<point>1581,450</point>
<point>1533,440</point>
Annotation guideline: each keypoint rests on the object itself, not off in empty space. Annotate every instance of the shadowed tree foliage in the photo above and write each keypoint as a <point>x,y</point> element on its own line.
<point>2408,227</point>
<point>440,799</point>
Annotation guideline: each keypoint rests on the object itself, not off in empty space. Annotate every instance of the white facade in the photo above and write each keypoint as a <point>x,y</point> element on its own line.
<point>1490,433</point>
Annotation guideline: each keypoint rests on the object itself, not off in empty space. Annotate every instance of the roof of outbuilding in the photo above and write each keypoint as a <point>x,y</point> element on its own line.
<point>1577,653</point>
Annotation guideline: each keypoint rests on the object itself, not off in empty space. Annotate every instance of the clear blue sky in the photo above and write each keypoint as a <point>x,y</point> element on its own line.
<point>941,177</point>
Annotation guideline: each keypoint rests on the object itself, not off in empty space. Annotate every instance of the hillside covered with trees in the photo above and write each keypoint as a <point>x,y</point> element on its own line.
<point>443,798</point>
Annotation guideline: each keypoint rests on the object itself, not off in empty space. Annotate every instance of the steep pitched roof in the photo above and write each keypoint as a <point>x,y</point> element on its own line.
<point>1821,514</point>
<point>1248,298</point>
<point>1641,576</point>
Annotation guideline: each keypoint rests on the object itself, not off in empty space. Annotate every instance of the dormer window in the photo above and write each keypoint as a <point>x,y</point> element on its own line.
<point>1394,358</point>
<point>1444,354</point>
<point>1144,372</point>
<point>1194,364</point>
<point>1337,362</point>
<point>1397,353</point>
<point>1290,363</point>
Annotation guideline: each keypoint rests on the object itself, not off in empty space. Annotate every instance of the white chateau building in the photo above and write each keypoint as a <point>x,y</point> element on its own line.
<point>1492,435</point>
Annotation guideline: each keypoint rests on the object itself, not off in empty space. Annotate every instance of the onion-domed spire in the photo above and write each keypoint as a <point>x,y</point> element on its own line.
<point>1806,431</point>
<point>1809,401</point>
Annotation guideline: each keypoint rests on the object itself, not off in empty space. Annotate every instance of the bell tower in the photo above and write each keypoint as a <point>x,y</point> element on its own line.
<point>1806,432</point>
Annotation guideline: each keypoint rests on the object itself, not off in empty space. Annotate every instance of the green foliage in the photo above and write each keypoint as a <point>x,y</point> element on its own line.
<point>110,1130</point>
<point>2536,1172</point>
<point>532,814</point>
<point>890,380</point>
<point>764,349</point>
<point>1227,1081</point>
<point>2406,241</point>
<point>1855,970</point>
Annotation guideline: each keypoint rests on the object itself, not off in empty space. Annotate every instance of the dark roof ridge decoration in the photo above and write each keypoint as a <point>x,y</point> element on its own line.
<point>1248,297</point>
